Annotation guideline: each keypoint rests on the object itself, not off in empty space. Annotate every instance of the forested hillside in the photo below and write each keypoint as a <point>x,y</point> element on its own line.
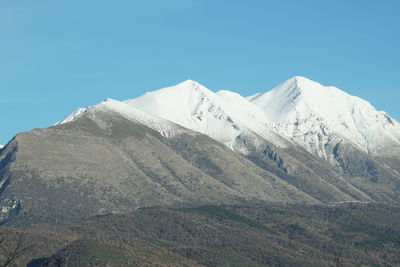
<point>352,234</point>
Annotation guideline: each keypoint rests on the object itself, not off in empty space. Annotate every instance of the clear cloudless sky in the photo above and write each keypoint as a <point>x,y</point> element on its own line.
<point>58,55</point>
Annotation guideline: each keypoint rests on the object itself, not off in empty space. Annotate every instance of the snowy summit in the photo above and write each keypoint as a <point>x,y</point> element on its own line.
<point>223,115</point>
<point>314,115</point>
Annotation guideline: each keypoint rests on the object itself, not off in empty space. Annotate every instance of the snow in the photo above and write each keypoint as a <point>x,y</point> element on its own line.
<point>73,116</point>
<point>162,126</point>
<point>191,105</point>
<point>251,97</point>
<point>166,128</point>
<point>1,146</point>
<point>223,116</point>
<point>314,116</point>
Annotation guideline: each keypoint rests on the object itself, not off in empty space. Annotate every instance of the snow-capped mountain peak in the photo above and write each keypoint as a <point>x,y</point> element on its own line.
<point>300,98</point>
<point>190,84</point>
<point>190,105</point>
<point>314,115</point>
<point>223,116</point>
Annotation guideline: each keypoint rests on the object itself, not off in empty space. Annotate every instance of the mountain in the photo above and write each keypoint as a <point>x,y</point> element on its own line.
<point>181,146</point>
<point>242,126</point>
<point>345,130</point>
<point>314,116</point>
<point>267,124</point>
<point>309,113</point>
<point>113,158</point>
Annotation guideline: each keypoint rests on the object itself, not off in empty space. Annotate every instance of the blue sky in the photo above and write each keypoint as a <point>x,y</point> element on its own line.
<point>58,55</point>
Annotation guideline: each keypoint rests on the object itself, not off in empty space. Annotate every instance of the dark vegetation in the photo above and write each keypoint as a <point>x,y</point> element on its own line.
<point>352,234</point>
